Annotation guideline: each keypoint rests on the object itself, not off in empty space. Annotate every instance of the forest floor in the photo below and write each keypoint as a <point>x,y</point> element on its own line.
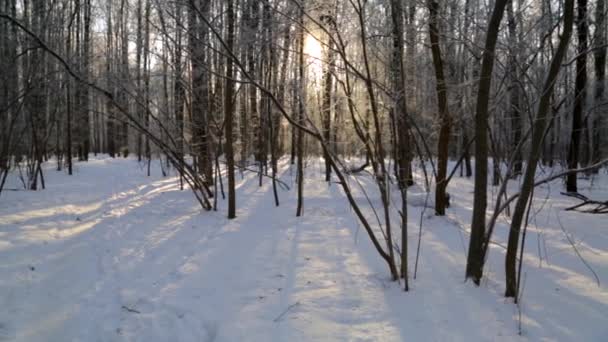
<point>109,254</point>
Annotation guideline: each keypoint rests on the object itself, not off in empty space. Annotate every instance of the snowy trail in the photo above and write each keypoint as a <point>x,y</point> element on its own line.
<point>111,255</point>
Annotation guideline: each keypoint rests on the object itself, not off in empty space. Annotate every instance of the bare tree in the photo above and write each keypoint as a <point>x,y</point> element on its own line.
<point>580,94</point>
<point>475,258</point>
<point>299,141</point>
<point>600,72</point>
<point>403,138</point>
<point>444,112</point>
<point>538,133</point>
<point>229,112</point>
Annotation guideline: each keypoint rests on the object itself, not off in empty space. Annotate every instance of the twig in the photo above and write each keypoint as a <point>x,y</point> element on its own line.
<point>420,234</point>
<point>358,169</point>
<point>283,185</point>
<point>286,311</point>
<point>521,294</point>
<point>541,182</point>
<point>523,243</point>
<point>597,279</point>
<point>130,310</point>
<point>601,206</point>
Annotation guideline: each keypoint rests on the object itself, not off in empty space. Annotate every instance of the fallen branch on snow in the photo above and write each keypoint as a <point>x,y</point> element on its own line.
<point>286,311</point>
<point>128,309</point>
<point>601,207</point>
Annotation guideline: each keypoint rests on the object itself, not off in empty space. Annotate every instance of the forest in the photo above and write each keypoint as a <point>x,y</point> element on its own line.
<point>326,170</point>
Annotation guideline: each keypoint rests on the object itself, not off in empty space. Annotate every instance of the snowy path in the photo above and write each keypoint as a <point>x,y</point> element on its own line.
<point>110,255</point>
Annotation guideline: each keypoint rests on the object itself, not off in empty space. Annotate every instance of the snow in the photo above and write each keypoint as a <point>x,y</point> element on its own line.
<point>109,254</point>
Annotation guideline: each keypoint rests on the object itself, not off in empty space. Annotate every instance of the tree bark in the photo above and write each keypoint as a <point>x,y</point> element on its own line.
<point>229,113</point>
<point>301,99</point>
<point>600,71</point>
<point>475,258</point>
<point>444,113</point>
<point>538,131</point>
<point>514,90</point>
<point>580,94</point>
<point>326,107</point>
<point>197,35</point>
<point>403,136</point>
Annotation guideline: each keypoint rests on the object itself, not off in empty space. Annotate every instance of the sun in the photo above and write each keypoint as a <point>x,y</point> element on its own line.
<point>313,52</point>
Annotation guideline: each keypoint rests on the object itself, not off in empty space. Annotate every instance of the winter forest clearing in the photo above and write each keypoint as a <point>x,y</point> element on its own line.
<point>303,170</point>
<point>132,258</point>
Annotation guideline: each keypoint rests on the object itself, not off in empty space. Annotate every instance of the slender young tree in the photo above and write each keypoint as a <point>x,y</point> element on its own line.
<point>326,108</point>
<point>514,89</point>
<point>475,257</point>
<point>197,35</point>
<point>464,76</point>
<point>138,74</point>
<point>84,136</point>
<point>444,112</point>
<point>68,100</point>
<point>179,92</point>
<point>400,111</point>
<point>599,141</point>
<point>111,120</point>
<point>301,99</point>
<point>229,111</point>
<point>538,133</point>
<point>580,94</point>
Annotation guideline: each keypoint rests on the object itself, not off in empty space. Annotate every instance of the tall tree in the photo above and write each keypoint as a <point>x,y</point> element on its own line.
<point>146,91</point>
<point>69,95</point>
<point>538,133</point>
<point>326,106</point>
<point>84,135</point>
<point>463,77</point>
<point>179,91</point>
<point>444,112</point>
<point>514,88</point>
<point>300,99</point>
<point>599,141</point>
<point>580,94</point>
<point>124,75</point>
<point>229,111</point>
<point>475,257</point>
<point>253,14</point>
<point>197,35</point>
<point>400,111</point>
<point>111,126</point>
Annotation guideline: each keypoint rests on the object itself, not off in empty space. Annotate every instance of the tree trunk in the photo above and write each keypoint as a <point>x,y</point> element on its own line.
<point>84,122</point>
<point>301,100</point>
<point>123,100</point>
<point>197,35</point>
<point>444,114</point>
<point>514,90</point>
<point>229,113</point>
<point>538,131</point>
<point>475,258</point>
<point>178,90</point>
<point>600,71</point>
<point>251,34</point>
<point>580,94</point>
<point>147,84</point>
<point>138,76</point>
<point>327,103</point>
<point>110,121</point>
<point>69,104</point>
<point>400,112</point>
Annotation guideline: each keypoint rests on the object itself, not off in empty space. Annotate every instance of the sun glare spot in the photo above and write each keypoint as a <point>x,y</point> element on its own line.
<point>314,55</point>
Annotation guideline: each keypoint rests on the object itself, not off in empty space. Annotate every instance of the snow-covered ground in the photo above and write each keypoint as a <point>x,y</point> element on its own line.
<point>109,254</point>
